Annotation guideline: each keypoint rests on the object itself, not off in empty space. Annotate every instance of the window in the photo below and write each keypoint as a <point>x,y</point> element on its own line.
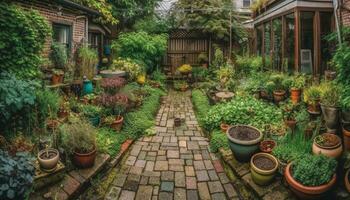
<point>306,41</point>
<point>246,3</point>
<point>289,42</point>
<point>326,19</point>
<point>95,40</point>
<point>267,44</point>
<point>62,34</point>
<point>277,43</point>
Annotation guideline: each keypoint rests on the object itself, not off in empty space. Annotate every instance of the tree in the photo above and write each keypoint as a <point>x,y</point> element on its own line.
<point>210,16</point>
<point>102,6</point>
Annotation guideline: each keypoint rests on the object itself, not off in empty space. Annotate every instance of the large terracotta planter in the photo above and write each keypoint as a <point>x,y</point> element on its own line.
<point>118,123</point>
<point>244,149</point>
<point>331,116</point>
<point>332,151</point>
<point>307,192</point>
<point>295,95</point>
<point>260,161</point>
<point>346,180</point>
<point>346,137</point>
<point>278,95</point>
<point>84,160</point>
<point>48,164</point>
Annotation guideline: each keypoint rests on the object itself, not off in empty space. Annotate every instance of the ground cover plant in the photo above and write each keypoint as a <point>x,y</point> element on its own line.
<point>243,110</point>
<point>201,104</point>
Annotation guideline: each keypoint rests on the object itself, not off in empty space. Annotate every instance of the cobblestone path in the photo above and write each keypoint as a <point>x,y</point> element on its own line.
<point>173,164</point>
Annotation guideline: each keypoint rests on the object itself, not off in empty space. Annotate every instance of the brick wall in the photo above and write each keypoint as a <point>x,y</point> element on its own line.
<point>66,16</point>
<point>345,13</point>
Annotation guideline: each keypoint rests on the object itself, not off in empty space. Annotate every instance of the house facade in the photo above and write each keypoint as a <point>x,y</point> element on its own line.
<point>289,34</point>
<point>72,24</point>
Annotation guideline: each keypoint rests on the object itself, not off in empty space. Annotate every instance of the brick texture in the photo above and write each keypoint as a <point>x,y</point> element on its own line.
<point>345,13</point>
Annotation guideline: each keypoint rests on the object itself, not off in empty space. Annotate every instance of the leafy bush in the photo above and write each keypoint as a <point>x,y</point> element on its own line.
<point>141,47</point>
<point>18,54</point>
<point>152,25</point>
<point>16,175</point>
<point>90,111</point>
<point>298,81</point>
<point>199,73</point>
<point>314,170</point>
<point>243,110</point>
<point>48,104</point>
<point>133,69</point>
<point>16,98</point>
<point>218,139</point>
<point>78,136</point>
<point>201,104</point>
<point>330,94</point>
<point>108,141</point>
<point>59,55</point>
<point>248,64</point>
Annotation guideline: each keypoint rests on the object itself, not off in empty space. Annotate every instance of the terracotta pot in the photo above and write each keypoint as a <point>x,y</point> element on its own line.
<point>261,176</point>
<point>267,146</point>
<point>346,116</point>
<point>118,123</point>
<point>307,192</point>
<point>224,127</point>
<point>332,151</point>
<point>278,95</point>
<point>314,108</point>
<point>346,137</point>
<point>243,150</point>
<point>55,79</point>
<point>63,114</point>
<point>346,180</point>
<point>48,165</point>
<point>183,89</point>
<point>295,95</point>
<point>330,75</point>
<point>264,94</point>
<point>84,160</point>
<point>291,123</point>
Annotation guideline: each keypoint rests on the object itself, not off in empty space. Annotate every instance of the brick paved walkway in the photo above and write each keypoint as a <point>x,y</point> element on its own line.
<point>173,164</point>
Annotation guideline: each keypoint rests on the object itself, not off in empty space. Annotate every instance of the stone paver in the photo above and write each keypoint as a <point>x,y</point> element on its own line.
<point>173,164</point>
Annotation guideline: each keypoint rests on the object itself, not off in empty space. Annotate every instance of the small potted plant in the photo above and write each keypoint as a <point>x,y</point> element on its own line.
<point>330,105</point>
<point>311,177</point>
<point>279,91</point>
<point>289,115</point>
<point>63,111</point>
<point>266,146</point>
<point>327,144</point>
<point>203,59</point>
<point>119,109</point>
<point>185,69</point>
<point>330,74</point>
<point>48,159</point>
<point>298,82</point>
<point>57,76</point>
<point>263,167</point>
<point>312,97</point>
<point>244,141</point>
<point>224,127</point>
<point>79,140</point>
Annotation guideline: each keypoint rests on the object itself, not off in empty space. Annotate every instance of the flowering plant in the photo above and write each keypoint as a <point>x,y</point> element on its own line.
<point>112,85</point>
<point>133,69</point>
<point>186,68</point>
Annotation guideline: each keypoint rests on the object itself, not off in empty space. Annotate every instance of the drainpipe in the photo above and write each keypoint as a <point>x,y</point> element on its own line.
<point>336,7</point>
<point>86,27</point>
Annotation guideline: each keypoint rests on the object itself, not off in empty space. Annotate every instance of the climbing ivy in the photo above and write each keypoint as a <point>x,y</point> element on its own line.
<point>22,37</point>
<point>102,6</point>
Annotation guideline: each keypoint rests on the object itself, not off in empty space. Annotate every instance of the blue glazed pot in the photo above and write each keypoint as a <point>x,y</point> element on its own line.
<point>87,87</point>
<point>243,150</point>
<point>95,121</point>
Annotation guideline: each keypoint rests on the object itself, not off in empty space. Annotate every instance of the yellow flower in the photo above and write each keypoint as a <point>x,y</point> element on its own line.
<point>141,79</point>
<point>185,68</point>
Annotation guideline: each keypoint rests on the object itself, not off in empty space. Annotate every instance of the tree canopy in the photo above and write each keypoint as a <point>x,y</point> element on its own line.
<point>102,6</point>
<point>210,16</point>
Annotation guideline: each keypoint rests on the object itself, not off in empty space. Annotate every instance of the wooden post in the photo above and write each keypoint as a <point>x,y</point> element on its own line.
<point>284,30</point>
<point>297,40</point>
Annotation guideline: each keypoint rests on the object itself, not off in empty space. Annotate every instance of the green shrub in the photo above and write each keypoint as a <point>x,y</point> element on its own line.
<point>218,140</point>
<point>16,175</point>
<point>243,110</point>
<point>143,48</point>
<point>86,62</point>
<point>59,55</point>
<point>17,97</point>
<point>22,37</point>
<point>314,170</point>
<point>201,104</point>
<point>48,104</point>
<point>108,141</point>
<point>248,64</point>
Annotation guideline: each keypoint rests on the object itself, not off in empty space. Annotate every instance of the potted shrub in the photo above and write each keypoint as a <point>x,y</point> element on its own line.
<point>289,115</point>
<point>298,82</point>
<point>263,167</point>
<point>279,90</point>
<point>330,105</point>
<point>48,159</point>
<point>203,59</point>
<point>244,141</point>
<point>185,69</point>
<point>57,76</point>
<point>311,176</point>
<point>92,113</point>
<point>63,111</point>
<point>327,144</point>
<point>312,97</point>
<point>79,140</point>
